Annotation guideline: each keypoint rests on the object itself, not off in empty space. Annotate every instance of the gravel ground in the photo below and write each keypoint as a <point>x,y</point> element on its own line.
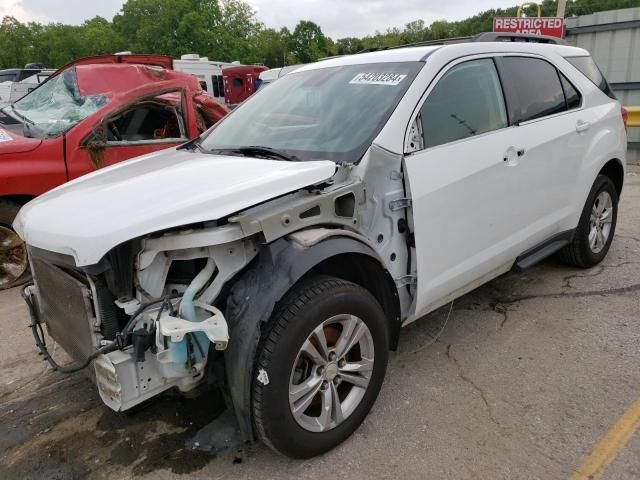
<point>528,374</point>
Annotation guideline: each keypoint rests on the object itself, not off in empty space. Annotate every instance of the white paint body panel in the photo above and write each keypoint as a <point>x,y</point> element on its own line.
<point>89,216</point>
<point>474,213</point>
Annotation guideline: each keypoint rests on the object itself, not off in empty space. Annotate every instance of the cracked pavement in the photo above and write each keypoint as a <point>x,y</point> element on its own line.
<point>526,375</point>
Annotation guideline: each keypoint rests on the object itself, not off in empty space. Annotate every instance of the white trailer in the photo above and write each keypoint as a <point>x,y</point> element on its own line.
<point>13,91</point>
<point>209,73</point>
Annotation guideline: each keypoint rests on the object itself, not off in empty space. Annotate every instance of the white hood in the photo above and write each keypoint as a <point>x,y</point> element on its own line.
<point>89,216</point>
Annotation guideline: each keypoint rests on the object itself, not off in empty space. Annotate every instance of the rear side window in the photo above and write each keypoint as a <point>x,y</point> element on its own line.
<point>572,95</point>
<point>533,88</point>
<point>7,77</point>
<point>589,69</point>
<point>466,101</point>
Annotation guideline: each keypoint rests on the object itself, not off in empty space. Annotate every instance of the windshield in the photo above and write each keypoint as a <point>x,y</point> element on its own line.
<point>329,113</point>
<point>56,106</point>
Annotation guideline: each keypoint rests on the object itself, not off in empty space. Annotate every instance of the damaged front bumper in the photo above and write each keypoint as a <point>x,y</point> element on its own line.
<point>147,328</point>
<point>176,357</point>
<point>124,382</point>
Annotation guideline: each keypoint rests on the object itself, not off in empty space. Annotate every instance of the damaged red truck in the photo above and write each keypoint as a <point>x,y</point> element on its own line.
<point>91,113</point>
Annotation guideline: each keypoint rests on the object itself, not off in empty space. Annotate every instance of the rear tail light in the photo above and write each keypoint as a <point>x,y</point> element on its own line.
<point>625,116</point>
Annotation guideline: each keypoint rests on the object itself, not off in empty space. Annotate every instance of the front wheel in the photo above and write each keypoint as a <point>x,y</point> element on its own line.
<point>14,264</point>
<point>321,364</point>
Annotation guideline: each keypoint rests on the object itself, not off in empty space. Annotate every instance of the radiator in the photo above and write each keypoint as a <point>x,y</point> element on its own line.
<point>66,308</point>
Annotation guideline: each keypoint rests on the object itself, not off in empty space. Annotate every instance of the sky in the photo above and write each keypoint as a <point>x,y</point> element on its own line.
<point>337,18</point>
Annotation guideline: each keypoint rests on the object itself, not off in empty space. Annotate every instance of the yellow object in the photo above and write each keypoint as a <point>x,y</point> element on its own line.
<point>615,439</point>
<point>633,118</point>
<point>528,4</point>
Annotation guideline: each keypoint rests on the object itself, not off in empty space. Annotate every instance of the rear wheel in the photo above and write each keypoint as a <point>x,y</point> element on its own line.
<point>597,226</point>
<point>320,367</point>
<point>14,264</point>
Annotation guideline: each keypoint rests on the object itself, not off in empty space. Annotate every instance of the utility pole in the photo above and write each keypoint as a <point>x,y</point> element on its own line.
<point>562,4</point>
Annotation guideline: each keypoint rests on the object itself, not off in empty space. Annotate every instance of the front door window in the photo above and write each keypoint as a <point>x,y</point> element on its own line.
<point>466,101</point>
<point>157,118</point>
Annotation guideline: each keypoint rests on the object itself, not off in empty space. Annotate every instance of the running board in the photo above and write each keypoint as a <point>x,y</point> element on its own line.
<point>543,250</point>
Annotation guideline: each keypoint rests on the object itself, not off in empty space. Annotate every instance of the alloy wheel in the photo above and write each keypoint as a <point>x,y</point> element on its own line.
<point>600,222</point>
<point>331,373</point>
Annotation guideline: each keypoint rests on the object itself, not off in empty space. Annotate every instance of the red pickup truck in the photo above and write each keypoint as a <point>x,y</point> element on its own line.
<point>91,113</point>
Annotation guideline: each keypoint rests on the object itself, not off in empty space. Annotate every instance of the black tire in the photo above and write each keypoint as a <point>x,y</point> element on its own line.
<point>579,252</point>
<point>8,212</point>
<point>304,308</point>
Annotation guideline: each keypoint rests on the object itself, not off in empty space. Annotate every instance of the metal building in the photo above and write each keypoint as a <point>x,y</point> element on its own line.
<point>613,38</point>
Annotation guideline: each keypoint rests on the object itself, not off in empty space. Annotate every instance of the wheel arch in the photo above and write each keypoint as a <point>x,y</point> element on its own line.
<point>615,171</point>
<point>17,199</point>
<point>255,292</point>
<point>365,271</point>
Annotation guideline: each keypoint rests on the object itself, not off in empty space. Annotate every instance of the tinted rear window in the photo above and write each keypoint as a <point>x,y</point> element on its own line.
<point>533,88</point>
<point>8,77</point>
<point>589,69</point>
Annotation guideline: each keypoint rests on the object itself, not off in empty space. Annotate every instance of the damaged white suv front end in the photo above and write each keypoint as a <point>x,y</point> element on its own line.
<point>165,272</point>
<point>102,279</point>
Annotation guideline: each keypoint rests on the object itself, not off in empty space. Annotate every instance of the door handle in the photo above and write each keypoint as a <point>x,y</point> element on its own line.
<point>512,155</point>
<point>582,126</point>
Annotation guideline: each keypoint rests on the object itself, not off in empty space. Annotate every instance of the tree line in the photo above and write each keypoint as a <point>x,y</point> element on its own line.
<point>228,30</point>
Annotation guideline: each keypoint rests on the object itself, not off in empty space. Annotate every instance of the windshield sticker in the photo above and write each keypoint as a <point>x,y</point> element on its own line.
<point>372,78</point>
<point>4,136</point>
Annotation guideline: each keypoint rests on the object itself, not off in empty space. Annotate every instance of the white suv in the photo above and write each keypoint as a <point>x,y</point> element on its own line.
<point>277,256</point>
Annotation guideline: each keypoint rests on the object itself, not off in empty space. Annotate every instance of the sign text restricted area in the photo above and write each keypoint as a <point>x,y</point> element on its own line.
<point>551,26</point>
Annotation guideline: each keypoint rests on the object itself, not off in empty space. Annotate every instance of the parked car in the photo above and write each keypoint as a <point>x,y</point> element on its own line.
<point>19,74</point>
<point>90,114</point>
<point>269,76</point>
<point>278,255</point>
<point>11,91</point>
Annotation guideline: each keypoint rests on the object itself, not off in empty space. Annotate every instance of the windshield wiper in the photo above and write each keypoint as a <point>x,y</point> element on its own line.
<point>193,145</point>
<point>266,152</point>
<point>20,116</point>
<point>249,151</point>
<point>26,123</point>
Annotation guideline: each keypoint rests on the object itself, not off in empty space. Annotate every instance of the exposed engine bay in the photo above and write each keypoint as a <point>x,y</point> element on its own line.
<point>164,336</point>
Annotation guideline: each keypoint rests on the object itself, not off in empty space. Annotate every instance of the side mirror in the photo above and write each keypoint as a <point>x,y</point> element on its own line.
<point>97,137</point>
<point>95,143</point>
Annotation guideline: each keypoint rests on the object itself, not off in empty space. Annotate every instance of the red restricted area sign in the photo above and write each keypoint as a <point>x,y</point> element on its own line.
<point>552,26</point>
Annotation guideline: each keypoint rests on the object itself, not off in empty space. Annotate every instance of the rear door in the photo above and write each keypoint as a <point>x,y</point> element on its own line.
<point>552,135</point>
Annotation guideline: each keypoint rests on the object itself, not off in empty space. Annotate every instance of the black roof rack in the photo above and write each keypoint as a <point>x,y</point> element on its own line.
<point>480,37</point>
<point>427,43</point>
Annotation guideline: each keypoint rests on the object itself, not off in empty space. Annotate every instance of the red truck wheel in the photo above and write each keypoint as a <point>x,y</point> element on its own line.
<point>14,264</point>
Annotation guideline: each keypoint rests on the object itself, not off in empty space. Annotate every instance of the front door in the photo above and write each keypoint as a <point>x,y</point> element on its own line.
<point>152,122</point>
<point>462,164</point>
